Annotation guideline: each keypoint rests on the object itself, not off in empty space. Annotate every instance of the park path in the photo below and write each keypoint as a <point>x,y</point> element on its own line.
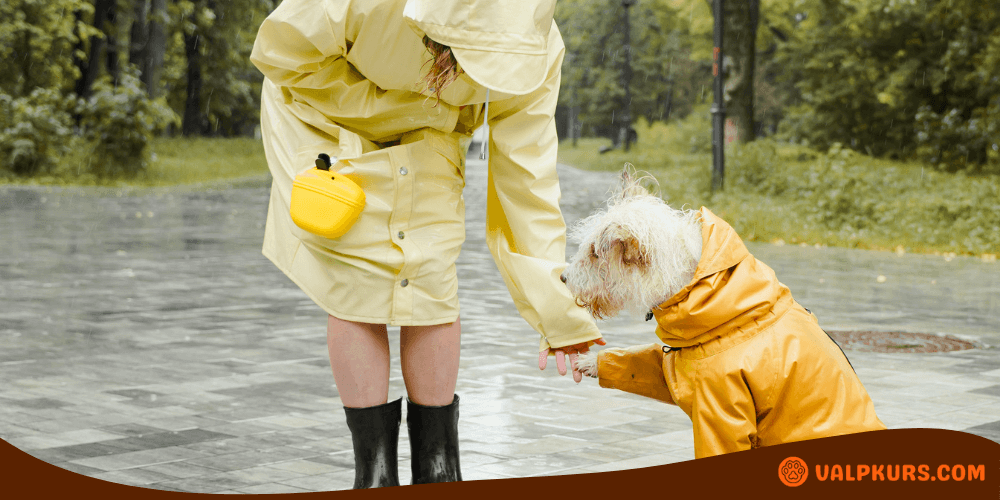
<point>146,341</point>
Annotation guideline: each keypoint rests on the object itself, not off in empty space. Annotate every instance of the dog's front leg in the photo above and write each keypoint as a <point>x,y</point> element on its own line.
<point>586,363</point>
<point>637,370</point>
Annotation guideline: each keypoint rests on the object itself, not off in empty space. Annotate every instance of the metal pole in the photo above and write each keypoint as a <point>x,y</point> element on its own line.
<point>627,79</point>
<point>718,107</point>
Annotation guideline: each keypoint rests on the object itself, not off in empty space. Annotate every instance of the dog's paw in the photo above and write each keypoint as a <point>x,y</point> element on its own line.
<point>586,364</point>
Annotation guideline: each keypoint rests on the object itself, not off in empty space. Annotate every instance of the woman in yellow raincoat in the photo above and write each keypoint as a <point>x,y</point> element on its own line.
<point>746,362</point>
<point>348,78</point>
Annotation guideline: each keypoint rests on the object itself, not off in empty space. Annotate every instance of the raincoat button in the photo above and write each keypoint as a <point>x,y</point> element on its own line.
<point>404,282</point>
<point>403,171</point>
<point>401,235</point>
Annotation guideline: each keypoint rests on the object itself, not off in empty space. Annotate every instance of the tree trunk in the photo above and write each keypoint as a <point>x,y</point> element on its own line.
<point>194,118</point>
<point>79,62</point>
<point>138,48</point>
<point>91,68</point>
<point>156,48</point>
<point>668,106</point>
<point>741,19</point>
<point>110,29</point>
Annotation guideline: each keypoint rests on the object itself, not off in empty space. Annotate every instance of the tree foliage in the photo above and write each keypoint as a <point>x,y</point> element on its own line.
<point>38,43</point>
<point>106,75</point>
<point>219,35</point>
<point>896,77</point>
<point>902,78</point>
<point>666,79</point>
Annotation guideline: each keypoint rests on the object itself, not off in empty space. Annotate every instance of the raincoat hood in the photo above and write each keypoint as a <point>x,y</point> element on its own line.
<point>501,44</point>
<point>707,309</point>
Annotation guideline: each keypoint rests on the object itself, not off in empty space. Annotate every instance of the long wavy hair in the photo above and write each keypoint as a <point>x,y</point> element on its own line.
<point>444,67</point>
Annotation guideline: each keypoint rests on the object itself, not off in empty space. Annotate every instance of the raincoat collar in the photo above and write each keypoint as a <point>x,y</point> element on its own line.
<point>501,44</point>
<point>730,289</point>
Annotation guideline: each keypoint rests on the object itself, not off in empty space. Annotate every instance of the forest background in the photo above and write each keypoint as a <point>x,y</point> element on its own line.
<point>861,123</point>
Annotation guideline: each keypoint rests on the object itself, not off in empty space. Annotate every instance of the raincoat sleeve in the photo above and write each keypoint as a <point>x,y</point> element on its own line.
<point>301,47</point>
<point>525,230</point>
<point>636,370</point>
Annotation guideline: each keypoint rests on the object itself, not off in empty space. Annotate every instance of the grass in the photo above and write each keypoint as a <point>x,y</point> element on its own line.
<point>774,192</point>
<point>189,161</point>
<point>783,193</point>
<point>175,161</point>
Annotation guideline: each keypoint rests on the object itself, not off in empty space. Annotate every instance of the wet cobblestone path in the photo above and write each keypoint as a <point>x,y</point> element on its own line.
<point>144,340</point>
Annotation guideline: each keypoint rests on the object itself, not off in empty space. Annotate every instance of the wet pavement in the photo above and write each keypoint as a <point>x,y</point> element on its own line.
<point>146,341</point>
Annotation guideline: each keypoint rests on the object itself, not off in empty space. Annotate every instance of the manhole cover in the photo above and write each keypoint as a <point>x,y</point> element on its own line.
<point>898,342</point>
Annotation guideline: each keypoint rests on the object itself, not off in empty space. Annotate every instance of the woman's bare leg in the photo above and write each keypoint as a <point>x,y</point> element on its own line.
<point>429,356</point>
<point>359,356</point>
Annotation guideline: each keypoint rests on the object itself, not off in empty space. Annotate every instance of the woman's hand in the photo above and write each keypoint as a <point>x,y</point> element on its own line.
<point>572,350</point>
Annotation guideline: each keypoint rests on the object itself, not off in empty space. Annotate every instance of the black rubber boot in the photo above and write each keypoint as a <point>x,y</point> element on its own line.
<point>433,442</point>
<point>375,432</point>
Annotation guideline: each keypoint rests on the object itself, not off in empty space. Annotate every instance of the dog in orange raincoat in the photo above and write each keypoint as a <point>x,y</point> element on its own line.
<point>747,363</point>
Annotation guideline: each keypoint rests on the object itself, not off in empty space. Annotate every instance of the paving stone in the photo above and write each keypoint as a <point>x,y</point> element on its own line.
<point>271,488</point>
<point>268,474</point>
<point>306,467</point>
<point>74,452</point>
<point>167,352</point>
<point>38,403</point>
<point>993,427</point>
<point>131,429</point>
<point>993,390</point>
<point>343,459</point>
<point>180,469</point>
<point>133,477</point>
<point>76,468</point>
<point>341,480</point>
<point>206,484</point>
<point>138,458</point>
<point>253,458</point>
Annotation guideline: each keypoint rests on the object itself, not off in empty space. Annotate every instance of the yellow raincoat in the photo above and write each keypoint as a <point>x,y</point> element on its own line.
<point>343,77</point>
<point>753,367</point>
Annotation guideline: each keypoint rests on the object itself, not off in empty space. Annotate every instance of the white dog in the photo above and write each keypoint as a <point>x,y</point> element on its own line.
<point>634,254</point>
<point>748,364</point>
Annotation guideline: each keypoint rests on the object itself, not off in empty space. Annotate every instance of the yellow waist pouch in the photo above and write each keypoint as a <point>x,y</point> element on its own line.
<point>325,203</point>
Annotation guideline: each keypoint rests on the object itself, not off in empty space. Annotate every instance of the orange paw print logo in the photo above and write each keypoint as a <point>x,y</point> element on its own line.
<point>793,471</point>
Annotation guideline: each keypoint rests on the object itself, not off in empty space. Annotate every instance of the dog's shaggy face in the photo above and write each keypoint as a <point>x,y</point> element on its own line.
<point>634,254</point>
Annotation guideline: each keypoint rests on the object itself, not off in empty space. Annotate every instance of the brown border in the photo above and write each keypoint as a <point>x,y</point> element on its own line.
<point>749,474</point>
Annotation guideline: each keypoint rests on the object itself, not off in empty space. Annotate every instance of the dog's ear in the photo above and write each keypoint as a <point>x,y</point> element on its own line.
<point>619,243</point>
<point>628,176</point>
<point>629,184</point>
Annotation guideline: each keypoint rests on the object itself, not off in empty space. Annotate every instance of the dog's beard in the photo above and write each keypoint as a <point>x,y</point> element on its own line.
<point>588,286</point>
<point>611,293</point>
<point>600,307</point>
<point>633,290</point>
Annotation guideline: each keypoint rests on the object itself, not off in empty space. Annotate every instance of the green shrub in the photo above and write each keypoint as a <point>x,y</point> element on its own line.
<point>953,142</point>
<point>35,131</point>
<point>119,122</point>
<point>755,167</point>
<point>840,197</point>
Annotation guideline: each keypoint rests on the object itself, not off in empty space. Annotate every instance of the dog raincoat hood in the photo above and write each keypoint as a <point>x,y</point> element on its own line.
<point>753,369</point>
<point>707,308</point>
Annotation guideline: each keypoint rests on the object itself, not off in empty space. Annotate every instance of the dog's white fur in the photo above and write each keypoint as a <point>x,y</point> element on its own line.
<point>634,254</point>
